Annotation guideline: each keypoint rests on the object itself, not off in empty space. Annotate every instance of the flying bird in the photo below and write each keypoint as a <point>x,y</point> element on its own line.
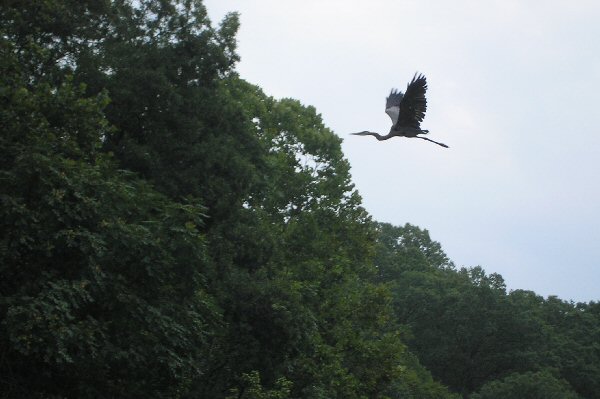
<point>407,111</point>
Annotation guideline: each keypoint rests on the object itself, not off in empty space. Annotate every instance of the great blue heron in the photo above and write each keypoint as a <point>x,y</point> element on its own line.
<point>407,112</point>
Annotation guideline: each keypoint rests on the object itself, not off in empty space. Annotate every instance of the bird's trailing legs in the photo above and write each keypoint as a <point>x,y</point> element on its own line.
<point>425,138</point>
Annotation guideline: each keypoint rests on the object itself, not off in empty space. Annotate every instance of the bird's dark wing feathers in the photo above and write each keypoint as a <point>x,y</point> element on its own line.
<point>414,104</point>
<point>393,100</point>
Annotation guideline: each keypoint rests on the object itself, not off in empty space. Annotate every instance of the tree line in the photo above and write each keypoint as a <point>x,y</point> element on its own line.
<point>169,230</point>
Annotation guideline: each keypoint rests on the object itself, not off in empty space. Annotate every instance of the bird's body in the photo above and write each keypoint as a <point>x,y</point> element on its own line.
<point>407,111</point>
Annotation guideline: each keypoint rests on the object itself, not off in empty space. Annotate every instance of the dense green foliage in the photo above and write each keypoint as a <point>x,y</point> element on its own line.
<point>168,230</point>
<point>530,385</point>
<point>469,332</point>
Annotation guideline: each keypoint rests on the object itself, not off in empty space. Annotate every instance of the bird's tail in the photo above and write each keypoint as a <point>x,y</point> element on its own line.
<point>425,138</point>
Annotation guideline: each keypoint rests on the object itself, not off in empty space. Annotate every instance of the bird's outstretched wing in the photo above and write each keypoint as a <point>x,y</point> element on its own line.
<point>413,104</point>
<point>392,105</point>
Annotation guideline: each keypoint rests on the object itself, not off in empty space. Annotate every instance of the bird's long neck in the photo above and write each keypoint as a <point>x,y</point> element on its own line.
<point>376,135</point>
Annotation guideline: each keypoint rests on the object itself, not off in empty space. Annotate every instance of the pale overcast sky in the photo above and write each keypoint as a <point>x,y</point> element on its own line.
<point>514,90</point>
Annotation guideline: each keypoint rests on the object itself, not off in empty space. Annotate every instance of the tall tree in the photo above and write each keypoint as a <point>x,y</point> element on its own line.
<point>102,293</point>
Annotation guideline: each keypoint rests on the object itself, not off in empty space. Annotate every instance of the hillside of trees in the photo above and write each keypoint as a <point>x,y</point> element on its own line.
<point>168,230</point>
